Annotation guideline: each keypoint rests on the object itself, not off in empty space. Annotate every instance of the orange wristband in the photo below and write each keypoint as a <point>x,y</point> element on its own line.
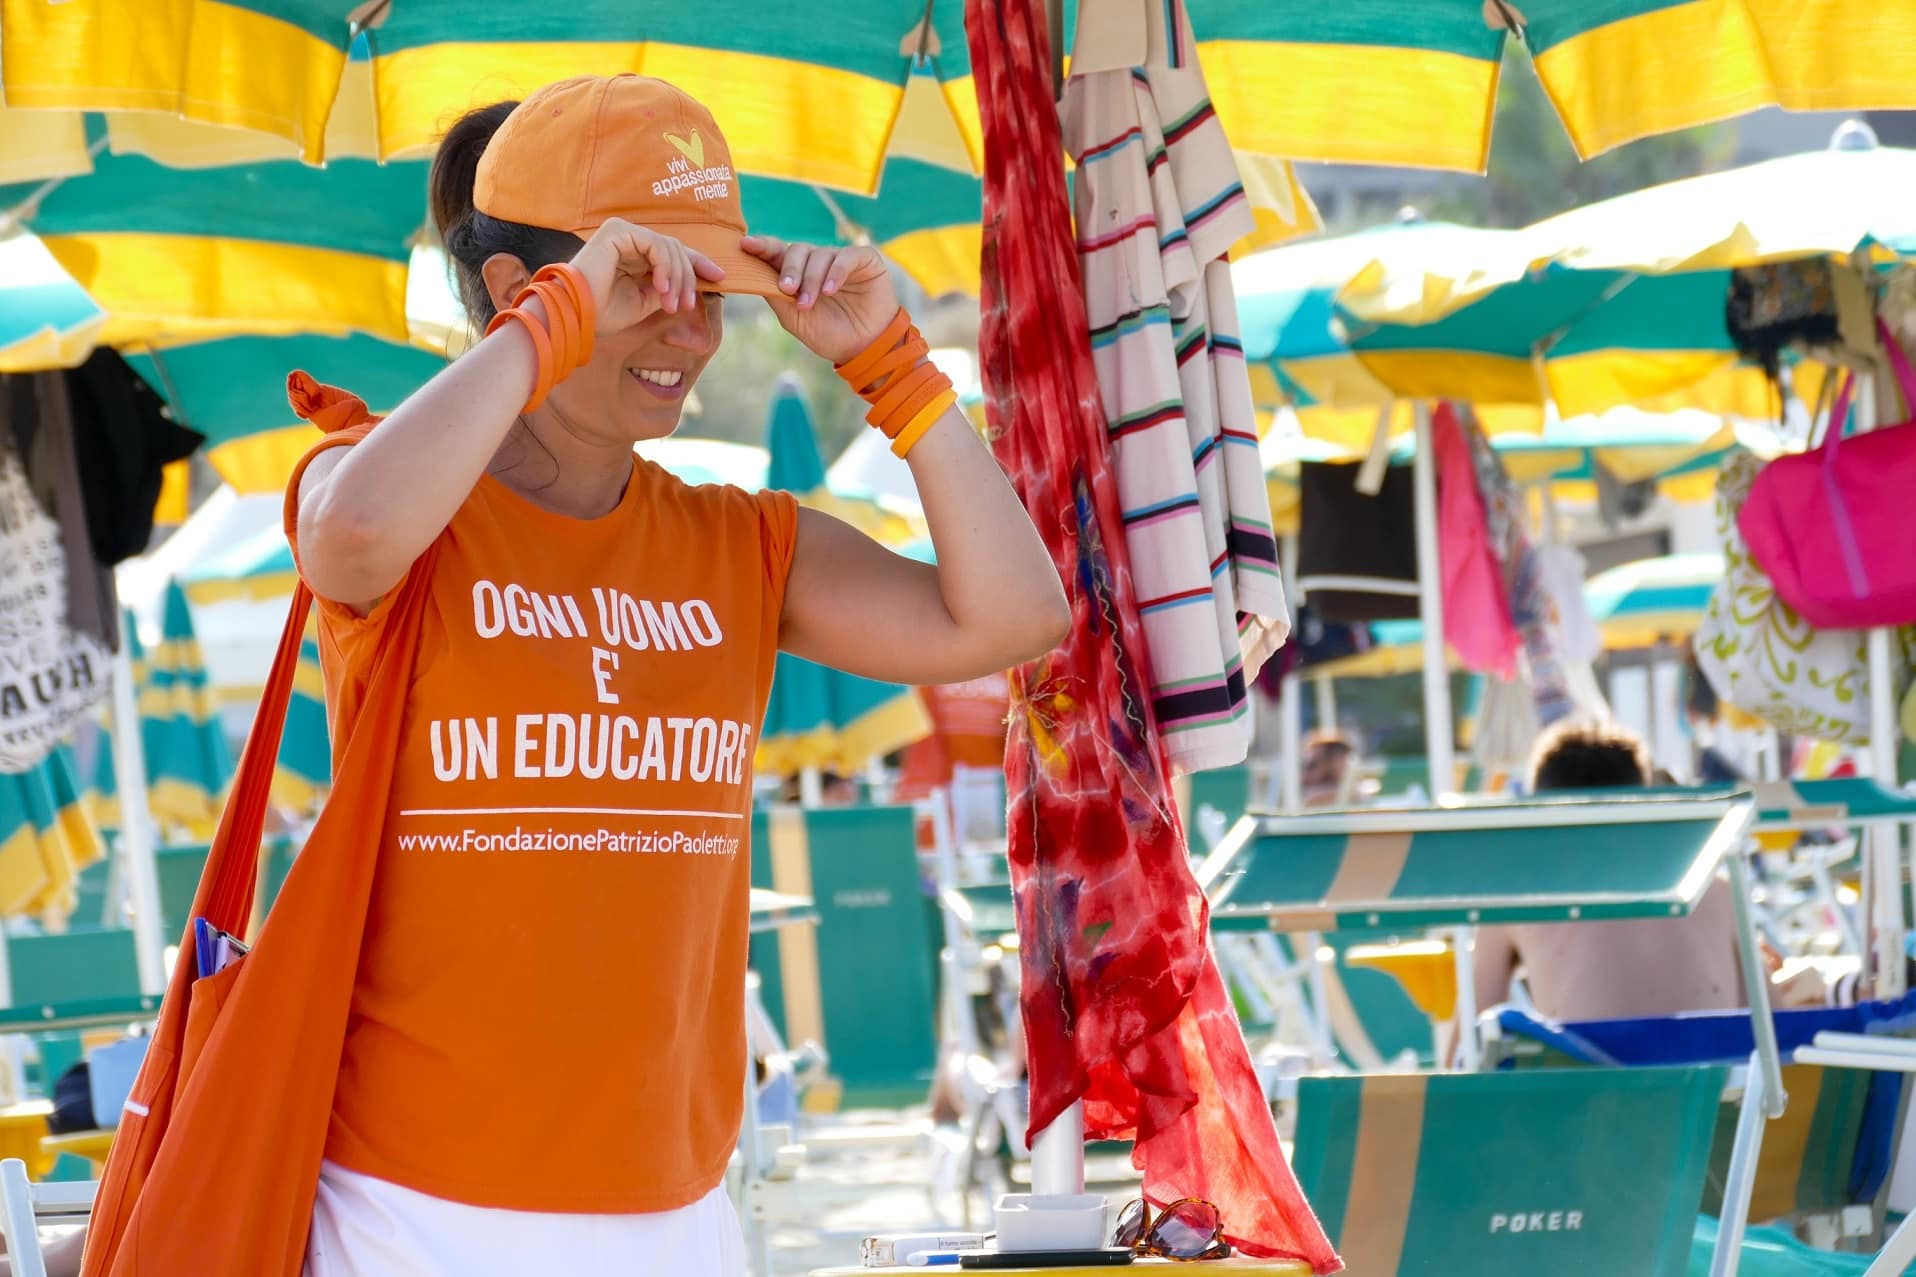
<point>862,369</point>
<point>586,308</point>
<point>542,350</point>
<point>925,419</point>
<point>904,396</point>
<point>561,324</point>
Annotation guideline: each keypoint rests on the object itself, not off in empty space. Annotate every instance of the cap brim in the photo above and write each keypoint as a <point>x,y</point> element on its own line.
<point>744,273</point>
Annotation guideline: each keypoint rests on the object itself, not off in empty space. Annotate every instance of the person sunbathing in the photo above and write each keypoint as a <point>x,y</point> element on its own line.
<point>1612,970</point>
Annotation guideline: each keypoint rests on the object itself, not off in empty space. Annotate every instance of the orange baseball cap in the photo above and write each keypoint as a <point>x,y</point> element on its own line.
<point>584,150</point>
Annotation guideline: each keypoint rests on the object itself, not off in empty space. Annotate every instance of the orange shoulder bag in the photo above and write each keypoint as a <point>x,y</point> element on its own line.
<point>216,1162</point>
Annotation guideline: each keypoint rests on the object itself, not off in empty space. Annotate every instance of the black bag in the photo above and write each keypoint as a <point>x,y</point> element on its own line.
<point>1343,532</point>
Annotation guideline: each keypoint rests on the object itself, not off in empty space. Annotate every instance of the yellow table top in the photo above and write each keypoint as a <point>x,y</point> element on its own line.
<point>1237,1266</point>
<point>92,1145</point>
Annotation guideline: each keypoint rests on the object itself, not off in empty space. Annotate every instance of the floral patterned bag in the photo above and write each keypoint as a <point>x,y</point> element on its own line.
<point>1763,657</point>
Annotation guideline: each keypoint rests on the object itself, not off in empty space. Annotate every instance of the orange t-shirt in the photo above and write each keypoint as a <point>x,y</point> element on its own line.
<point>549,1011</point>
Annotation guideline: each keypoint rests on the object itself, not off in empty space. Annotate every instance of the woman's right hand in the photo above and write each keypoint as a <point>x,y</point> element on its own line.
<point>634,272</point>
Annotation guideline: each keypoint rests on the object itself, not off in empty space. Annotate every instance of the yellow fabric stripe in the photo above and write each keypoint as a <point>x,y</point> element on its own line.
<point>1348,103</point>
<point>1338,379</point>
<point>879,731</point>
<point>197,705</point>
<point>251,589</point>
<point>38,145</point>
<point>945,260</point>
<point>352,132</point>
<point>212,62</point>
<point>928,128</point>
<point>294,792</point>
<point>962,96</point>
<point>234,285</point>
<point>1440,374</point>
<point>1779,1163</point>
<point>176,485</point>
<point>47,349</point>
<point>1709,60</point>
<point>781,118</point>
<point>1390,1134</point>
<point>188,807</point>
<point>1604,379</point>
<point>1282,207</point>
<point>797,946</point>
<point>262,463</point>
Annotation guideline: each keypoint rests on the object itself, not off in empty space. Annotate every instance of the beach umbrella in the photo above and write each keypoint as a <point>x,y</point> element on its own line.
<point>820,717</point>
<point>1295,343</point>
<point>1635,605</point>
<point>233,391</point>
<point>46,838</point>
<point>795,465</point>
<point>47,320</point>
<point>805,94</point>
<point>188,760</point>
<point>1679,452</point>
<point>1651,600</point>
<point>1405,82</point>
<point>1623,301</point>
<point>273,247</point>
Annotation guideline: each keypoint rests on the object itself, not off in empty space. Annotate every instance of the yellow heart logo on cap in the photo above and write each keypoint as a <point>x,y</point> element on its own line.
<point>693,150</point>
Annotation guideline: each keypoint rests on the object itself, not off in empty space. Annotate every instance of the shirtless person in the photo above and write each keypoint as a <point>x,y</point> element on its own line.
<point>1612,970</point>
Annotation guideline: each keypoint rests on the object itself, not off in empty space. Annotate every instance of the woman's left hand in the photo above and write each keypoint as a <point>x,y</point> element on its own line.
<point>837,300</point>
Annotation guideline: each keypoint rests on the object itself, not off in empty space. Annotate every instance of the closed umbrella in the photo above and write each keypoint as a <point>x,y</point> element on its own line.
<point>46,839</point>
<point>820,717</point>
<point>188,760</point>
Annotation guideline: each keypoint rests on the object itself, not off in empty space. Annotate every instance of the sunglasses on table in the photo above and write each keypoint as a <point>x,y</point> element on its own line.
<point>1188,1229</point>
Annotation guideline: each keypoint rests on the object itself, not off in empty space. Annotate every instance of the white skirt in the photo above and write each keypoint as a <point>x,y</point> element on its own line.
<point>366,1227</point>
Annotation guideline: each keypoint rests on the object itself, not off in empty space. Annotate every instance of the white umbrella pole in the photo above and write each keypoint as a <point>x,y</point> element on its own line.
<point>1291,702</point>
<point>1438,745</point>
<point>136,824</point>
<point>1884,910</point>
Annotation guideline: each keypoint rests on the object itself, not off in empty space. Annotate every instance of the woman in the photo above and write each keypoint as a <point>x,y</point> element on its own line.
<point>544,1071</point>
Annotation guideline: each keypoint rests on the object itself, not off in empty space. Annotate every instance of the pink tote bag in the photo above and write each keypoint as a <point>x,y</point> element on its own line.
<point>1835,527</point>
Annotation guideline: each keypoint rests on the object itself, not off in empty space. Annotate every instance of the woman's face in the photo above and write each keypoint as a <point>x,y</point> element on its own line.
<point>637,381</point>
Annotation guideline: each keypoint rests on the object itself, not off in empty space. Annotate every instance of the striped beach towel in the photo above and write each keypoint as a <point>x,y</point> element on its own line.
<point>1159,204</point>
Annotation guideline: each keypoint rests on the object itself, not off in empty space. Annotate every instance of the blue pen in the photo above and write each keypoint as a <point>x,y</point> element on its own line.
<point>932,1258</point>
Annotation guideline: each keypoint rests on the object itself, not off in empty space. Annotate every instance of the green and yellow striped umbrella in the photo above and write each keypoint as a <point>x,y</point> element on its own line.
<point>46,838</point>
<point>1414,82</point>
<point>46,319</point>
<point>803,94</point>
<point>1635,605</point>
<point>233,391</point>
<point>1622,301</point>
<point>274,247</point>
<point>821,717</point>
<point>188,762</point>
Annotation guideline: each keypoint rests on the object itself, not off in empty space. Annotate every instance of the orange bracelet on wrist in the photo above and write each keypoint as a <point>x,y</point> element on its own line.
<point>542,380</point>
<point>921,422</point>
<point>562,342</point>
<point>905,390</point>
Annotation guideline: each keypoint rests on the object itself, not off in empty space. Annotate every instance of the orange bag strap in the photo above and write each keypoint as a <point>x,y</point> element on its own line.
<point>225,895</point>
